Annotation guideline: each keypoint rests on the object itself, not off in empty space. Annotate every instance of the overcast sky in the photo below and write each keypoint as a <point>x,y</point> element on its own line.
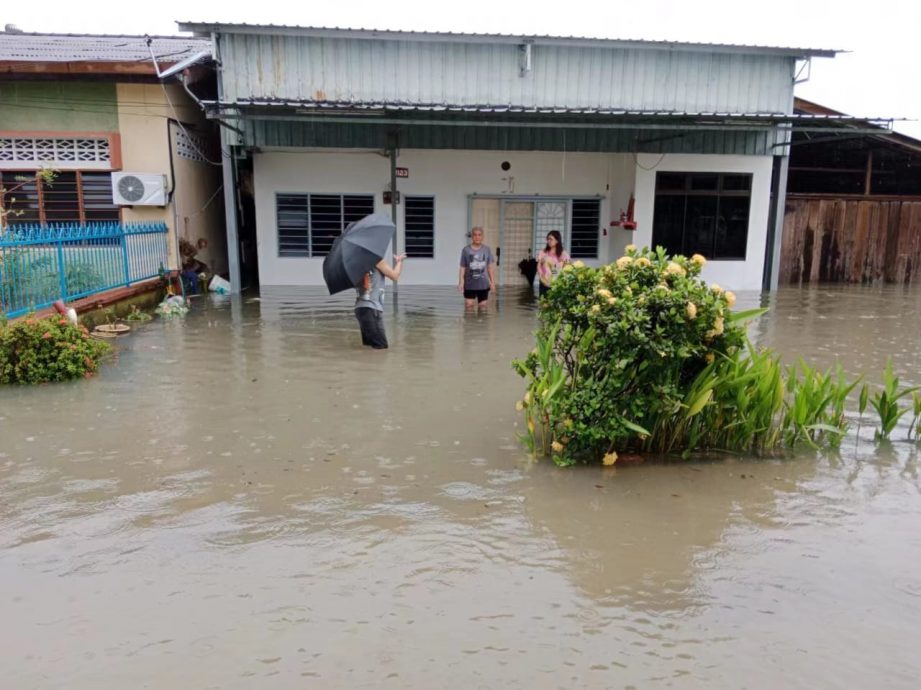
<point>877,78</point>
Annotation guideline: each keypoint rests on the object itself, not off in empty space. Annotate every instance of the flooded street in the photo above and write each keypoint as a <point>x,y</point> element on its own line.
<point>246,498</point>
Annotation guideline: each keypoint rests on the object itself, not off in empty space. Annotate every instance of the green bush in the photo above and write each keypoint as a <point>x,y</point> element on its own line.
<point>50,349</point>
<point>643,356</point>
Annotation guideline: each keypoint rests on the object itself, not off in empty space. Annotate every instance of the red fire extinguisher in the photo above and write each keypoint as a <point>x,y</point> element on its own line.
<point>626,219</point>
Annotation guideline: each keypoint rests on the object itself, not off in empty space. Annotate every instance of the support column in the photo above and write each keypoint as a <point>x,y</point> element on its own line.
<point>228,167</point>
<point>230,212</point>
<point>771,276</point>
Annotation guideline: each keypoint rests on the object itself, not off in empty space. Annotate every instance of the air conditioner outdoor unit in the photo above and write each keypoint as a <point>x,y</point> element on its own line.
<point>138,189</point>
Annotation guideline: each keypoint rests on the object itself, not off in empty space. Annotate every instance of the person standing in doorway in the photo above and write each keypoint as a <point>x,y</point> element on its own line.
<point>369,304</point>
<point>477,274</point>
<point>550,261</point>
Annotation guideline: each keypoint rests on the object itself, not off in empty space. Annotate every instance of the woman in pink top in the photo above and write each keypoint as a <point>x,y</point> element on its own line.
<point>550,260</point>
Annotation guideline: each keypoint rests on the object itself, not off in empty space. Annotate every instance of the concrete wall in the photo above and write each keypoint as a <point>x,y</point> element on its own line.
<point>737,275</point>
<point>451,176</point>
<point>53,106</point>
<point>147,137</point>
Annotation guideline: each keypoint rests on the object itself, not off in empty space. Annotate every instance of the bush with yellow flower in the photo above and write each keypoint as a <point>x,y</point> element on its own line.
<point>617,350</point>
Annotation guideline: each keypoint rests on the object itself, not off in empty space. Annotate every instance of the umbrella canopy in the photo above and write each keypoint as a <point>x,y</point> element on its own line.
<point>356,251</point>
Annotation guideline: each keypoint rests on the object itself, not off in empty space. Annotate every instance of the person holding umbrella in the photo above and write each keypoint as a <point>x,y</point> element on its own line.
<point>356,260</point>
<point>369,305</point>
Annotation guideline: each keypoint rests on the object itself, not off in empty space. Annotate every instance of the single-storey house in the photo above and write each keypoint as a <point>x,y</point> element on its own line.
<point>611,142</point>
<point>94,110</point>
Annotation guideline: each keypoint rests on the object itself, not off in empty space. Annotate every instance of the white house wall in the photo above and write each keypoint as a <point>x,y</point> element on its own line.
<point>453,176</point>
<point>737,275</point>
<point>450,176</point>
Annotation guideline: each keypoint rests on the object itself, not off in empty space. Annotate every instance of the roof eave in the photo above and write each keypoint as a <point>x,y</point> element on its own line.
<point>207,28</point>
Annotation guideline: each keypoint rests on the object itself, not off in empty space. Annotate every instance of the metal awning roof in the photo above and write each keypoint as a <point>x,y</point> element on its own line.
<point>514,39</point>
<point>444,113</point>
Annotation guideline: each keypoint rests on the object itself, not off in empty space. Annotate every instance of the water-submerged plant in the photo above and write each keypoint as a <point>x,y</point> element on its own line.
<point>643,356</point>
<point>886,402</point>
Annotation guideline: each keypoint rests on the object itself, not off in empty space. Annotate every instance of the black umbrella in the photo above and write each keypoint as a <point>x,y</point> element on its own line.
<point>356,251</point>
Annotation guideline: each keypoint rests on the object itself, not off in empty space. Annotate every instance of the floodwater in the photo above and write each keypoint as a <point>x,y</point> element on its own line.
<point>248,499</point>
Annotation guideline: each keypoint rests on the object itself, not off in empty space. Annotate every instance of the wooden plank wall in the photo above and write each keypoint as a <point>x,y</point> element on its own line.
<point>835,240</point>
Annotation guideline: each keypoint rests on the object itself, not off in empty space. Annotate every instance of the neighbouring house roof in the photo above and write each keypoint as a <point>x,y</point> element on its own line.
<point>456,37</point>
<point>804,108</point>
<point>94,54</point>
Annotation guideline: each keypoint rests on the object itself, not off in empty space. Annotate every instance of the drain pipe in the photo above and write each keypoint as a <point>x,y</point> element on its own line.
<point>394,199</point>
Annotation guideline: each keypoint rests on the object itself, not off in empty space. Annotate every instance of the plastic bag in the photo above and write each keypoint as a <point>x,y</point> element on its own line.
<point>219,285</point>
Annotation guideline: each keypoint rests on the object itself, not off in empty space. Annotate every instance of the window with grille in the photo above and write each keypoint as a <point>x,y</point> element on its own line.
<point>583,234</point>
<point>419,223</point>
<point>308,223</point>
<point>72,197</point>
<point>702,213</point>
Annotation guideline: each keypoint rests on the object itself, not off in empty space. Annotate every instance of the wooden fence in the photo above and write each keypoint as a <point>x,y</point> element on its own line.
<point>863,240</point>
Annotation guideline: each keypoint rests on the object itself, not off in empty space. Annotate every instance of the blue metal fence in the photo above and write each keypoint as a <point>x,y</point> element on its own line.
<point>43,263</point>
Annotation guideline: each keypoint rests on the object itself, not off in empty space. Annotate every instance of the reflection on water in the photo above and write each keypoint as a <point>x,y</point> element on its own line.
<point>247,498</point>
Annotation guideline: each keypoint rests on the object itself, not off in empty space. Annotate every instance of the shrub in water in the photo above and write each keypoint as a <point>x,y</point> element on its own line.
<point>643,356</point>
<point>51,349</point>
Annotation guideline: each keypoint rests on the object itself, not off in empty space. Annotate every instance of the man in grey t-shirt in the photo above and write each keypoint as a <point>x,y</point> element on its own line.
<point>477,275</point>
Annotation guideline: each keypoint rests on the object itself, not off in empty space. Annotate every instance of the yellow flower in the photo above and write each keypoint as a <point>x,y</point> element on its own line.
<point>578,264</point>
<point>730,297</point>
<point>698,259</point>
<point>567,267</point>
<point>675,269</point>
<point>691,310</point>
<point>531,425</point>
<point>527,398</point>
<point>717,289</point>
<point>557,447</point>
<point>612,300</point>
<point>630,248</point>
<point>610,458</point>
<point>710,357</point>
<point>623,262</point>
<point>717,327</point>
<point>519,405</point>
<point>595,309</point>
<point>604,292</point>
<point>643,262</point>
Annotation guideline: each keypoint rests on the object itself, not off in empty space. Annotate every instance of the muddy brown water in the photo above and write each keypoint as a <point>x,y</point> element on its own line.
<point>248,499</point>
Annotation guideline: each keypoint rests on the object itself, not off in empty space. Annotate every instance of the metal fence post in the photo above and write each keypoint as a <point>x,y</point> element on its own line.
<point>123,240</point>
<point>62,277</point>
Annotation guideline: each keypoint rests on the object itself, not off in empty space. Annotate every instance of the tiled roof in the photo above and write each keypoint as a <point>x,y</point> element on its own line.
<point>34,47</point>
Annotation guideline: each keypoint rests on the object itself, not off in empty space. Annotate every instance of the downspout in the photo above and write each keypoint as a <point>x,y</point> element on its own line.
<point>393,197</point>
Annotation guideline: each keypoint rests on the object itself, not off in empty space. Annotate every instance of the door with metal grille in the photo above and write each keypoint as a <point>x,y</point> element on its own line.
<point>517,236</point>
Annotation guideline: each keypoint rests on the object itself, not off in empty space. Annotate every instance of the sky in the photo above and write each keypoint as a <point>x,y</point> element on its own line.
<point>877,77</point>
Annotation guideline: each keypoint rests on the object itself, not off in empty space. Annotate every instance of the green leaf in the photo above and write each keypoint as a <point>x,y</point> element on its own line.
<point>747,315</point>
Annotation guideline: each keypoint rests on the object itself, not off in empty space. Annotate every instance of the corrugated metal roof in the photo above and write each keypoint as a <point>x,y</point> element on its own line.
<point>38,47</point>
<point>534,39</point>
<point>300,68</point>
<point>376,135</point>
<point>403,106</point>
